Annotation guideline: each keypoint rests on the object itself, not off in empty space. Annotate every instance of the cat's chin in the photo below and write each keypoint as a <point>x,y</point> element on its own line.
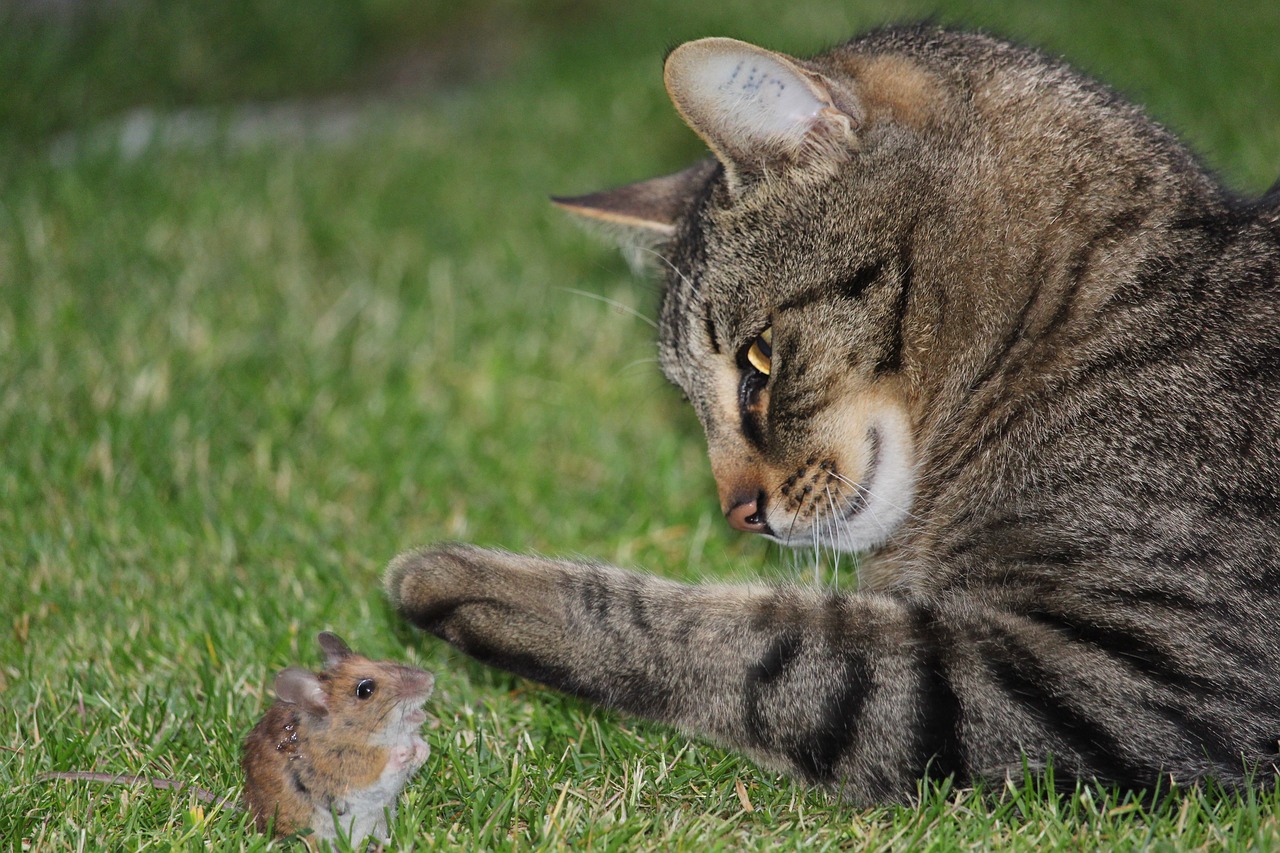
<point>877,506</point>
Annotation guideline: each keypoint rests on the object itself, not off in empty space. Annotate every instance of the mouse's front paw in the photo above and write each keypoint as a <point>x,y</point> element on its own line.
<point>421,751</point>
<point>399,757</point>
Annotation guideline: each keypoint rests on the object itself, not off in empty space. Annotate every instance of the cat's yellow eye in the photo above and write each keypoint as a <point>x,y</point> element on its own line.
<point>761,353</point>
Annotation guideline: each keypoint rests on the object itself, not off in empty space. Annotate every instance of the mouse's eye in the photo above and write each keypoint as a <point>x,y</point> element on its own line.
<point>364,688</point>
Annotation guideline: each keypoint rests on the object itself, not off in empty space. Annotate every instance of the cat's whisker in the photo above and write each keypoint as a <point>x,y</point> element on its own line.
<point>829,523</point>
<point>817,561</point>
<point>638,362</point>
<point>818,535</point>
<point>776,494</point>
<point>684,279</point>
<point>864,490</point>
<point>621,307</point>
<point>832,521</point>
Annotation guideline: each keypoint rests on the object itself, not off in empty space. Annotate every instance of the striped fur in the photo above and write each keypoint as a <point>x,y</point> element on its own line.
<point>1062,335</point>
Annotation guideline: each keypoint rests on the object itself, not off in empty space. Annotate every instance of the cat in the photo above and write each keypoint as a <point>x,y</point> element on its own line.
<point>941,300</point>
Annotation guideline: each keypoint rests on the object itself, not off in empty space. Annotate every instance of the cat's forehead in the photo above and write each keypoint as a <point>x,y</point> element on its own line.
<point>717,276</point>
<point>733,258</point>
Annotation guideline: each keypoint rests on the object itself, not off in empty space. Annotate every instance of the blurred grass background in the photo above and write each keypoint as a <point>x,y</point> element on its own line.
<point>69,63</point>
<point>281,295</point>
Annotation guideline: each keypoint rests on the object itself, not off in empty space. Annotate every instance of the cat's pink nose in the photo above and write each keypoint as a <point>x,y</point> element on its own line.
<point>746,513</point>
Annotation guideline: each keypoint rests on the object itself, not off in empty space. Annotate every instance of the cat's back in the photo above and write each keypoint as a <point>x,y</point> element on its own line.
<point>1138,443</point>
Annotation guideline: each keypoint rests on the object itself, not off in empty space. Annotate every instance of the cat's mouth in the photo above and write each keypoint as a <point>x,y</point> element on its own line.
<point>833,511</point>
<point>848,514</point>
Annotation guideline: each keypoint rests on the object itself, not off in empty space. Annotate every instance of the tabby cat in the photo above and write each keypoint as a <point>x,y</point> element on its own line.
<point>943,301</point>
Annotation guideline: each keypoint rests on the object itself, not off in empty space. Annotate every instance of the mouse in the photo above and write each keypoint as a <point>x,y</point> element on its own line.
<point>337,747</point>
<point>330,756</point>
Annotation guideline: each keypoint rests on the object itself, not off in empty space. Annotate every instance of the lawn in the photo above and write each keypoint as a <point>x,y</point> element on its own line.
<point>260,333</point>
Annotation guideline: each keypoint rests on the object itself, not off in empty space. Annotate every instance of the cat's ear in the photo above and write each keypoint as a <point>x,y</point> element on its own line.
<point>759,111</point>
<point>646,212</point>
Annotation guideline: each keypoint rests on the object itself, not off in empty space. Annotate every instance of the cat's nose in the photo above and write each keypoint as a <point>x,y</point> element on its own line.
<point>746,513</point>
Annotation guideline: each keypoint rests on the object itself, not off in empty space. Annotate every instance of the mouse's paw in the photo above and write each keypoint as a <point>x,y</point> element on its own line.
<point>421,751</point>
<point>399,757</point>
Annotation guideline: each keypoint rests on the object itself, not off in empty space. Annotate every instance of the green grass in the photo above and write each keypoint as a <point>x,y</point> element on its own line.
<point>238,374</point>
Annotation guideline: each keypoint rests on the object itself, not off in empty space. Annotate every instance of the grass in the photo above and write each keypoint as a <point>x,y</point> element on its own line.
<point>249,356</point>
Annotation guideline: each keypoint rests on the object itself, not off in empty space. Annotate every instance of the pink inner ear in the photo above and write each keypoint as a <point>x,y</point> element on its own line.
<point>746,102</point>
<point>317,702</point>
<point>756,96</point>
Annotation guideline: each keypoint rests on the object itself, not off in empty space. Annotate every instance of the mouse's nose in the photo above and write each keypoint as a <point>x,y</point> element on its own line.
<point>746,513</point>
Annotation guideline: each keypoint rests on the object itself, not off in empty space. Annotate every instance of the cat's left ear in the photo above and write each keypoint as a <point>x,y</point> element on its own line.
<point>759,111</point>
<point>643,213</point>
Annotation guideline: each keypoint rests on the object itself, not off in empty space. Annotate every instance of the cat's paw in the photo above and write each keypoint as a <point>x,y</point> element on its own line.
<point>419,580</point>
<point>488,603</point>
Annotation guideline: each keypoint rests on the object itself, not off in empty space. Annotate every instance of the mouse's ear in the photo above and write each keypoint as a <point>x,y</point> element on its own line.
<point>334,648</point>
<point>299,686</point>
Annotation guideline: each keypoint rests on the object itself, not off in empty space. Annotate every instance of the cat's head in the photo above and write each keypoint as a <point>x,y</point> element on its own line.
<point>840,268</point>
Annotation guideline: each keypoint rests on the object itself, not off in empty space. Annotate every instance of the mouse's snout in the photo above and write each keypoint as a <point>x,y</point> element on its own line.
<point>417,683</point>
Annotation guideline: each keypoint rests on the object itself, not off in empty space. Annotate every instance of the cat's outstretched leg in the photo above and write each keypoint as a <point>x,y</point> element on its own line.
<point>864,692</point>
<point>787,675</point>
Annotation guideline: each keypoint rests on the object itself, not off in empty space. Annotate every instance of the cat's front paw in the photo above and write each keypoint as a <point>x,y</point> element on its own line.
<point>491,604</point>
<point>426,583</point>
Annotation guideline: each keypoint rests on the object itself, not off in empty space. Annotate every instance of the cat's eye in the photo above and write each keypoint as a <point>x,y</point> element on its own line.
<point>364,689</point>
<point>760,355</point>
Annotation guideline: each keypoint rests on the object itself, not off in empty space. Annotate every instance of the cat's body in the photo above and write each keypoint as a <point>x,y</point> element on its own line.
<point>944,300</point>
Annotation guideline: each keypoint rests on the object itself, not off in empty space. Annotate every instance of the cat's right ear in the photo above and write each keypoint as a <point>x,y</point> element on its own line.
<point>642,213</point>
<point>760,112</point>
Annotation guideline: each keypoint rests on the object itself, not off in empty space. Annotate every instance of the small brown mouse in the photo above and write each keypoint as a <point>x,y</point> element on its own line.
<point>337,747</point>
<point>332,753</point>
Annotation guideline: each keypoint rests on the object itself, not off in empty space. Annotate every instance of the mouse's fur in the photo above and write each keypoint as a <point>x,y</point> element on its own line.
<point>334,751</point>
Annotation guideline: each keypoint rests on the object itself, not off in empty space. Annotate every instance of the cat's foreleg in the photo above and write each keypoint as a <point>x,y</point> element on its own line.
<point>829,687</point>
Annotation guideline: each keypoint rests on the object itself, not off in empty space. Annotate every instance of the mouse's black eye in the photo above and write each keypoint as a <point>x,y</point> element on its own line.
<point>364,688</point>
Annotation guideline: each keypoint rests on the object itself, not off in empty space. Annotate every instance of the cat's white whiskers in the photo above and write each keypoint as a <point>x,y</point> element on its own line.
<point>776,495</point>
<point>684,279</point>
<point>621,307</point>
<point>817,561</point>
<point>639,361</point>
<point>817,537</point>
<point>832,521</point>
<point>864,490</point>
<point>791,526</point>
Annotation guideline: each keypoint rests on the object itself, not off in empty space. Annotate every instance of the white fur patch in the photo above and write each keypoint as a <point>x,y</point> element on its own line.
<point>889,491</point>
<point>867,509</point>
